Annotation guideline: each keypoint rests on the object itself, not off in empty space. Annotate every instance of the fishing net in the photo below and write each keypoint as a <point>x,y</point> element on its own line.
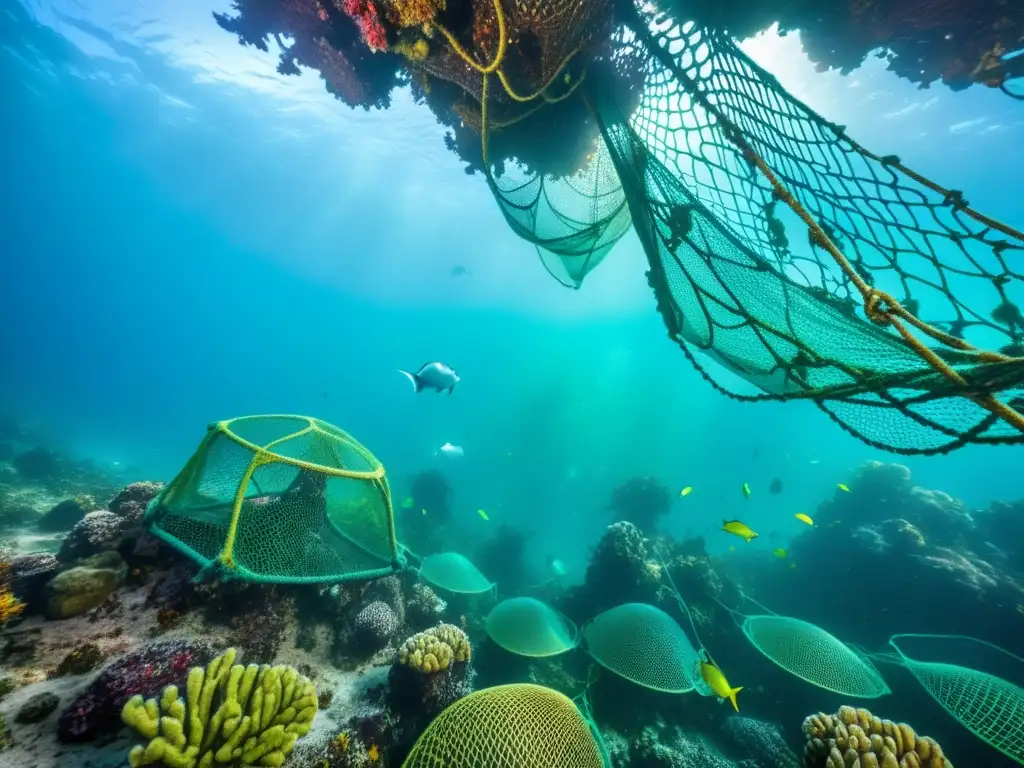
<point>794,257</point>
<point>644,645</point>
<point>812,654</point>
<point>454,573</point>
<point>509,726</point>
<point>280,499</point>
<point>528,627</point>
<point>978,696</point>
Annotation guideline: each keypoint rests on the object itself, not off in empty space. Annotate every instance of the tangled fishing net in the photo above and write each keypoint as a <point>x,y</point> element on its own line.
<point>809,266</point>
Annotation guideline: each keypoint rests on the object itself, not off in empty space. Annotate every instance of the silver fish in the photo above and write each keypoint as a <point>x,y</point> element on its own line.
<point>436,376</point>
<point>452,451</point>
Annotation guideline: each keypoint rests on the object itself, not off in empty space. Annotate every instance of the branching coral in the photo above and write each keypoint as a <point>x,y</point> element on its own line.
<point>854,738</point>
<point>435,649</point>
<point>233,714</point>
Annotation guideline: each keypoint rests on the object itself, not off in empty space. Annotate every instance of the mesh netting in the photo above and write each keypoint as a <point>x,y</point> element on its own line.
<point>455,573</point>
<point>510,726</point>
<point>986,704</point>
<point>644,645</point>
<point>528,627</point>
<point>803,262</point>
<point>280,499</point>
<point>812,654</point>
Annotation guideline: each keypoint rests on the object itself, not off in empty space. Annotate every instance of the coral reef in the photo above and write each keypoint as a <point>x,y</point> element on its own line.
<point>10,605</point>
<point>96,532</point>
<point>131,501</point>
<point>145,671</point>
<point>65,515</point>
<point>854,738</point>
<point>435,649</point>
<point>424,608</point>
<point>250,715</point>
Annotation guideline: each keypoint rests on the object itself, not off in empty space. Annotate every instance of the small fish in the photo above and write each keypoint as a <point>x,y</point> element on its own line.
<point>775,487</point>
<point>408,503</point>
<point>424,511</point>
<point>736,528</point>
<point>436,376</point>
<point>843,487</point>
<point>792,565</point>
<point>833,523</point>
<point>483,514</point>
<point>779,552</point>
<point>732,549</point>
<point>452,451</point>
<point>686,491</point>
<point>746,491</point>
<point>803,518</point>
<point>716,681</point>
<point>457,270</point>
<point>815,461</point>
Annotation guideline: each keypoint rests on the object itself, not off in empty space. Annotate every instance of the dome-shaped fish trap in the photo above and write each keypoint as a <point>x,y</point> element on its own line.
<point>812,654</point>
<point>528,627</point>
<point>979,694</point>
<point>509,726</point>
<point>453,572</point>
<point>286,499</point>
<point>644,645</point>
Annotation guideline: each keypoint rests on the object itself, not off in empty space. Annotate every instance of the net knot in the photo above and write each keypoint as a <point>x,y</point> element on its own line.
<point>891,160</point>
<point>955,199</point>
<point>878,306</point>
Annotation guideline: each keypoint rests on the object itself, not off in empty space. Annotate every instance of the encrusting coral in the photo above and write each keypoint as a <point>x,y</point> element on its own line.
<point>854,738</point>
<point>234,715</point>
<point>434,649</point>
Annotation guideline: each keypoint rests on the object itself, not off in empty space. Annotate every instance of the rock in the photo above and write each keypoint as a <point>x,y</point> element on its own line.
<point>84,658</point>
<point>63,516</point>
<point>145,671</point>
<point>82,588</point>
<point>37,464</point>
<point>132,500</point>
<point>96,532</point>
<point>29,575</point>
<point>37,708</point>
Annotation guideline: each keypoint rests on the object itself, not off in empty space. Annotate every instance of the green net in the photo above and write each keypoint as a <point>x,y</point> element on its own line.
<point>812,654</point>
<point>645,645</point>
<point>454,573</point>
<point>789,254</point>
<point>509,726</point>
<point>979,696</point>
<point>280,499</point>
<point>528,627</point>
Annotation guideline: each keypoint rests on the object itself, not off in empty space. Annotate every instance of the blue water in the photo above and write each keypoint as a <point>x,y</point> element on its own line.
<point>188,236</point>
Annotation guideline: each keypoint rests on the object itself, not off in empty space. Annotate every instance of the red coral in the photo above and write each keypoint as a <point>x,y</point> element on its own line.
<point>366,16</point>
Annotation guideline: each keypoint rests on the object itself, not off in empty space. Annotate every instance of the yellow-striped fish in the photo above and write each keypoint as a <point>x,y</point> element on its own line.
<point>746,490</point>
<point>482,514</point>
<point>843,487</point>
<point>803,518</point>
<point>686,491</point>
<point>736,528</point>
<point>779,552</point>
<point>716,682</point>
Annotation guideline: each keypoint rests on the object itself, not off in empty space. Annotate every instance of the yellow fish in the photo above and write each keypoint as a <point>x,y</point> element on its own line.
<point>686,491</point>
<point>408,502</point>
<point>803,518</point>
<point>746,491</point>
<point>716,681</point>
<point>482,514</point>
<point>736,528</point>
<point>424,511</point>
<point>779,552</point>
<point>843,487</point>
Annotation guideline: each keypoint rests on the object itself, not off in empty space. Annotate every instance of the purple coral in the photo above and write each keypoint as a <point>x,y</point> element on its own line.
<point>146,671</point>
<point>375,625</point>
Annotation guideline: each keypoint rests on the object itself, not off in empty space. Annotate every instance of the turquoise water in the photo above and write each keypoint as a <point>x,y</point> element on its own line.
<point>188,236</point>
